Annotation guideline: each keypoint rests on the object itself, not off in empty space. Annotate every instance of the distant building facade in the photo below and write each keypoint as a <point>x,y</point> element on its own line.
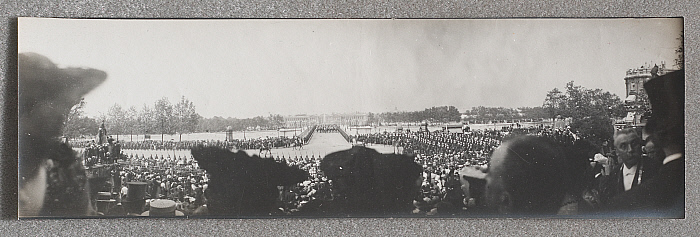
<point>349,119</point>
<point>635,78</point>
<point>635,97</point>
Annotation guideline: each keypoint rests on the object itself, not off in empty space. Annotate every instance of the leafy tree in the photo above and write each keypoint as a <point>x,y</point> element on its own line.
<point>77,124</point>
<point>185,117</point>
<point>554,102</point>
<point>372,119</point>
<point>276,121</point>
<point>116,120</point>
<point>482,114</point>
<point>145,120</point>
<point>163,114</point>
<point>592,110</point>
<point>596,129</point>
<point>434,114</point>
<point>579,102</point>
<point>131,124</point>
<point>73,123</point>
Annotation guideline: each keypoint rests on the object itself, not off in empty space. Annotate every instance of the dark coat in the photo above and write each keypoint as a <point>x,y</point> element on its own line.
<point>613,184</point>
<point>661,196</point>
<point>366,182</point>
<point>243,185</point>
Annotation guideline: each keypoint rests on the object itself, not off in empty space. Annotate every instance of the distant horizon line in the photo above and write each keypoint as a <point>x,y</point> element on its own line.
<point>350,113</point>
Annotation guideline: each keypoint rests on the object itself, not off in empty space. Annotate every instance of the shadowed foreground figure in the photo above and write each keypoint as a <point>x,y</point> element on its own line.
<point>664,194</point>
<point>528,175</point>
<point>242,185</point>
<point>366,182</point>
<point>52,181</point>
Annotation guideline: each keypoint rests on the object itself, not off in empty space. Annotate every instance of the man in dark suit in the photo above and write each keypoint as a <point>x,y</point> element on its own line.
<point>634,169</point>
<point>663,195</point>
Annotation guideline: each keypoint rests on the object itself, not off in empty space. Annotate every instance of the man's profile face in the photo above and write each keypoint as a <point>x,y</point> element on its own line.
<point>629,149</point>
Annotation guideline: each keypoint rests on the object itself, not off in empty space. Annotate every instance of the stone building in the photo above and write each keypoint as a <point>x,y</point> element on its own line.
<point>636,101</point>
<point>348,119</point>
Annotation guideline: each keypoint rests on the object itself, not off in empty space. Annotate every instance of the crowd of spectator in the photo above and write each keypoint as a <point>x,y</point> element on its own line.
<point>441,154</point>
<point>95,153</point>
<point>237,144</point>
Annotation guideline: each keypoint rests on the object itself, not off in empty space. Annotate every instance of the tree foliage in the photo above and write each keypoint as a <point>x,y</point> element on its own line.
<point>482,114</point>
<point>185,117</point>
<point>592,110</point>
<point>77,124</point>
<point>680,54</point>
<point>116,120</point>
<point>70,124</point>
<point>579,102</point>
<point>162,117</point>
<point>596,129</point>
<point>435,114</point>
<point>534,113</point>
<point>219,124</point>
<point>163,113</point>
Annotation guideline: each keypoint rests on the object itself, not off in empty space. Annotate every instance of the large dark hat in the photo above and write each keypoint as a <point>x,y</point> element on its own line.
<point>46,93</point>
<point>667,98</point>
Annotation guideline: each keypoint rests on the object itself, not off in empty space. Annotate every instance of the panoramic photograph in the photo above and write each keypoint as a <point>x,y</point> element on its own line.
<point>415,118</point>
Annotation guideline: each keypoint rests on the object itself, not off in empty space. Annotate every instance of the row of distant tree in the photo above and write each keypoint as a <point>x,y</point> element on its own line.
<point>590,109</point>
<point>162,117</point>
<point>593,110</point>
<point>218,124</point>
<point>482,114</point>
<point>435,114</point>
<point>573,101</point>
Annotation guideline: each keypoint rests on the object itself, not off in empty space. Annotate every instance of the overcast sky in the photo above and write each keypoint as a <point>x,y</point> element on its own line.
<point>246,68</point>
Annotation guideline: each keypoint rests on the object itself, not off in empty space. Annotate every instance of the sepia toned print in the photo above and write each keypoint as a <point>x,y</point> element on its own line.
<point>351,118</point>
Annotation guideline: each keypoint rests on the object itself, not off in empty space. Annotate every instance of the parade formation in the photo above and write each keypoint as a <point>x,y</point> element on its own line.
<point>358,164</point>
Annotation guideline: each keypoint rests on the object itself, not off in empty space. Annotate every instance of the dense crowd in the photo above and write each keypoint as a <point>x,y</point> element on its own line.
<point>441,154</point>
<point>95,153</point>
<point>532,171</point>
<point>173,178</point>
<point>180,179</point>
<point>237,144</point>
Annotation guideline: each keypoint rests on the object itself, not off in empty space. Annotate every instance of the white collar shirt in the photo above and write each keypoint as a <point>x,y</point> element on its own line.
<point>628,176</point>
<point>672,157</point>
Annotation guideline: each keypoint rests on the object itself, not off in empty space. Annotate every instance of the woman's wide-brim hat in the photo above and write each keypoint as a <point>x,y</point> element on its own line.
<point>47,92</point>
<point>45,95</point>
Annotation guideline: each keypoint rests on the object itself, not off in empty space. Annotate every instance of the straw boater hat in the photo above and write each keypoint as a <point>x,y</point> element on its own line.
<point>162,208</point>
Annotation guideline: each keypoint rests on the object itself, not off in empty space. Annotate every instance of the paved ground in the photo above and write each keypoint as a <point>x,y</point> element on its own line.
<point>322,144</point>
